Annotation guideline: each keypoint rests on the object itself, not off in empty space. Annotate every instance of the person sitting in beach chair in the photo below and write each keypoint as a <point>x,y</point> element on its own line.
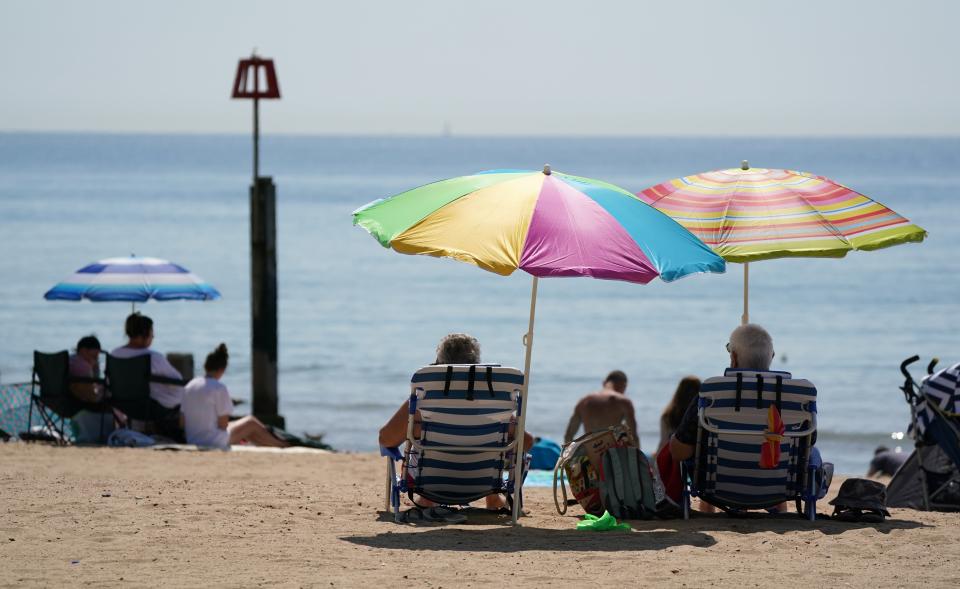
<point>455,402</point>
<point>603,409</point>
<point>206,408</point>
<point>752,434</point>
<point>166,382</point>
<point>85,382</point>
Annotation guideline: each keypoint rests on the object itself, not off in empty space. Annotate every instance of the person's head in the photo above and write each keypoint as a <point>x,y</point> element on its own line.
<point>89,348</point>
<point>880,450</point>
<point>687,390</point>
<point>216,362</point>
<point>458,348</point>
<point>139,330</point>
<point>617,381</point>
<point>750,347</point>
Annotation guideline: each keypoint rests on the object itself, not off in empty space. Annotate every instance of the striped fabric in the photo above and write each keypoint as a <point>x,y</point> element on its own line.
<point>728,467</point>
<point>758,214</point>
<point>132,279</point>
<point>462,406</point>
<point>942,389</point>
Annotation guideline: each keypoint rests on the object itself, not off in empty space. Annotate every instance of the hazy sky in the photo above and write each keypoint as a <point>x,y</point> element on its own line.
<point>487,67</point>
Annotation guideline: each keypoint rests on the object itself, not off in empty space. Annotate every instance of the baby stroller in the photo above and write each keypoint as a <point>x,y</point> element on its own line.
<point>930,478</point>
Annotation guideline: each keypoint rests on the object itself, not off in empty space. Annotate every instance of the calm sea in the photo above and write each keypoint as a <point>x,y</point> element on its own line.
<point>356,319</point>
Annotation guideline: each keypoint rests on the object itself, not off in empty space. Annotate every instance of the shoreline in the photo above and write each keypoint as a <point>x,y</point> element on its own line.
<point>118,517</point>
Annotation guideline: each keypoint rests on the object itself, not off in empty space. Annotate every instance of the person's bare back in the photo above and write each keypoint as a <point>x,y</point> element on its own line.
<point>604,408</point>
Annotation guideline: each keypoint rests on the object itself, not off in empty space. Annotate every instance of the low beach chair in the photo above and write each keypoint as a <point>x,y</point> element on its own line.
<point>461,449</point>
<point>733,428</point>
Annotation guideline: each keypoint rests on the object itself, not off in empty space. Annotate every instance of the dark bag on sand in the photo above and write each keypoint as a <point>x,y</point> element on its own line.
<point>627,484</point>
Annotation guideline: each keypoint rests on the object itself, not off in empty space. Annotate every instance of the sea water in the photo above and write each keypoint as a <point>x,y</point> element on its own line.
<point>355,319</point>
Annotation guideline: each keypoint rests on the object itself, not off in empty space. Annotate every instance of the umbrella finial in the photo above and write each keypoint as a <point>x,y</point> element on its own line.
<point>744,165</point>
<point>546,169</point>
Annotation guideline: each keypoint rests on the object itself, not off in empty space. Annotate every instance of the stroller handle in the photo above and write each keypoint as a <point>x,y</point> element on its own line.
<point>932,365</point>
<point>907,362</point>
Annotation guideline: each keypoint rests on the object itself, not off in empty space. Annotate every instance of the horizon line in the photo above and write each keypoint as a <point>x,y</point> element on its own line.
<point>442,136</point>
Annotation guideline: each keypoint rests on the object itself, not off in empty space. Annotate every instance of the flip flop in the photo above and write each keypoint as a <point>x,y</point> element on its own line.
<point>437,514</point>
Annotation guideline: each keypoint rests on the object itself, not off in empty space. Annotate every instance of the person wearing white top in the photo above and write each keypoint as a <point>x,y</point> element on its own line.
<point>139,329</point>
<point>206,407</point>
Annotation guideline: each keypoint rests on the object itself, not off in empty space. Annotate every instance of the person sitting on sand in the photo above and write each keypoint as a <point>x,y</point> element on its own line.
<point>886,462</point>
<point>455,348</point>
<point>687,390</point>
<point>607,407</point>
<point>206,408</point>
<point>85,371</point>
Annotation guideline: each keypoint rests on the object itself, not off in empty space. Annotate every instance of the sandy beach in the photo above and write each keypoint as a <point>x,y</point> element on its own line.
<point>135,517</point>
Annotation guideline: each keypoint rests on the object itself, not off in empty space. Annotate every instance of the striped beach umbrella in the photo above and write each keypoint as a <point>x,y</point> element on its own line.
<point>546,224</point>
<point>750,214</point>
<point>132,279</point>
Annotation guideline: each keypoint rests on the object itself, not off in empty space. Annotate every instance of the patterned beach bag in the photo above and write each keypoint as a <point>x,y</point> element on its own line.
<point>580,465</point>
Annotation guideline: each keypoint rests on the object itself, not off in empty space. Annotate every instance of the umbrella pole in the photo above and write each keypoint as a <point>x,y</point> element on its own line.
<point>521,422</point>
<point>745,318</point>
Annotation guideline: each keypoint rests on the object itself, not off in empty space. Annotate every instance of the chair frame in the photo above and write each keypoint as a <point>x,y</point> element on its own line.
<point>690,474</point>
<point>68,406</point>
<point>396,483</point>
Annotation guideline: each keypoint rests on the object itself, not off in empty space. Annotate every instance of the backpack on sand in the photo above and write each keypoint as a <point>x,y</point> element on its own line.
<point>628,484</point>
<point>580,464</point>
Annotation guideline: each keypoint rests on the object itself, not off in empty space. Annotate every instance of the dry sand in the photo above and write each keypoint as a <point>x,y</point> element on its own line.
<point>126,517</point>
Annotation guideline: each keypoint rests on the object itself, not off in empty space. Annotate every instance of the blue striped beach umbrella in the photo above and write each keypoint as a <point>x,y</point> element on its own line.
<point>132,279</point>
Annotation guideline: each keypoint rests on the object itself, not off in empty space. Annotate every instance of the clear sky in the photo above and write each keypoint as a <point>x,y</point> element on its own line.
<point>758,67</point>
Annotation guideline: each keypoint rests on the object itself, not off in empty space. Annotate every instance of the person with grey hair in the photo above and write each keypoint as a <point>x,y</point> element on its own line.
<point>458,348</point>
<point>751,348</point>
<point>455,348</point>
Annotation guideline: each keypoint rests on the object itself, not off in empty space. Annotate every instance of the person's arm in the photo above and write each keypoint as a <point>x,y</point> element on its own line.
<point>224,407</point>
<point>629,416</point>
<point>572,426</point>
<point>160,366</point>
<point>873,467</point>
<point>394,432</point>
<point>684,439</point>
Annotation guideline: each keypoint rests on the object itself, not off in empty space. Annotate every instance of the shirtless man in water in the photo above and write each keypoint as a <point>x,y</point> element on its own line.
<point>604,408</point>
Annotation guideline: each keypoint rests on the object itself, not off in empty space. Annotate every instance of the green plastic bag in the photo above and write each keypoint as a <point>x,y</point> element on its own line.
<point>604,523</point>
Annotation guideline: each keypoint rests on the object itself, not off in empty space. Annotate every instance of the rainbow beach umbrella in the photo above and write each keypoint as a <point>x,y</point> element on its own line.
<point>750,214</point>
<point>546,224</point>
<point>132,279</point>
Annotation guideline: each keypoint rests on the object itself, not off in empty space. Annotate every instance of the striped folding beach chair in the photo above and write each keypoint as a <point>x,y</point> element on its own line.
<point>733,428</point>
<point>458,448</point>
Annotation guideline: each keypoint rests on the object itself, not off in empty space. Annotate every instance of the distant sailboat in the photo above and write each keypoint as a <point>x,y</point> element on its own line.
<point>447,129</point>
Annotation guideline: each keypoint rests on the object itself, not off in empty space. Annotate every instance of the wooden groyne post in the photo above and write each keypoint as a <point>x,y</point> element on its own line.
<point>256,79</point>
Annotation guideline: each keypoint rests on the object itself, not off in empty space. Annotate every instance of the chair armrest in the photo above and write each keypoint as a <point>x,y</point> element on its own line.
<point>167,380</point>
<point>86,379</point>
<point>393,453</point>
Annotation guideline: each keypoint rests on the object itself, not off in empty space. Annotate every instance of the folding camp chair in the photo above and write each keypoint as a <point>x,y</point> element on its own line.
<point>128,380</point>
<point>733,413</point>
<point>460,448</point>
<point>50,393</point>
